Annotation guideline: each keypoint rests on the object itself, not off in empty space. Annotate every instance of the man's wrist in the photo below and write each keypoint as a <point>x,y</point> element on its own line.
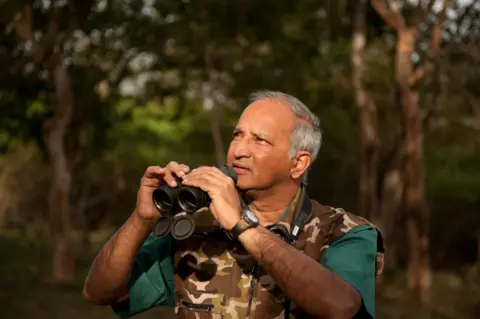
<point>229,223</point>
<point>249,233</point>
<point>246,221</point>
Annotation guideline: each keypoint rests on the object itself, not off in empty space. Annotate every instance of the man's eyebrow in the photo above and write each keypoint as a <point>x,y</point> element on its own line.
<point>262,135</point>
<point>259,134</point>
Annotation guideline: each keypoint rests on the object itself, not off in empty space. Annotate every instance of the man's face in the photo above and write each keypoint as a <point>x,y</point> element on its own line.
<point>260,145</point>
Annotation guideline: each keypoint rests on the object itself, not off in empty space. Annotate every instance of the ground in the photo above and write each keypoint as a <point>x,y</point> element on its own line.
<point>26,292</point>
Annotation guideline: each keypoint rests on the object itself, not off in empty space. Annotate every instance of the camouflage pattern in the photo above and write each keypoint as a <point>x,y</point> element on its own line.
<point>216,278</point>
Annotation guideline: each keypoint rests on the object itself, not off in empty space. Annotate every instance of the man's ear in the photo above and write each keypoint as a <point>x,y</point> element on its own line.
<point>301,162</point>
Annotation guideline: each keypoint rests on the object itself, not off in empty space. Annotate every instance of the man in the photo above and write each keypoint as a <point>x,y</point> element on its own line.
<point>280,254</point>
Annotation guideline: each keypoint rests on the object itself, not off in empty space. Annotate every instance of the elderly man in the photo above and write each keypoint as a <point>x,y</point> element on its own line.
<point>280,255</point>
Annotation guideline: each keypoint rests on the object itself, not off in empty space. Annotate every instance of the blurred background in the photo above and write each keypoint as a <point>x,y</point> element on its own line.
<point>93,92</point>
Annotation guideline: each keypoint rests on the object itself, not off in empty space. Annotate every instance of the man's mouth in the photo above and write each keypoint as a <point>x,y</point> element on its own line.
<point>240,169</point>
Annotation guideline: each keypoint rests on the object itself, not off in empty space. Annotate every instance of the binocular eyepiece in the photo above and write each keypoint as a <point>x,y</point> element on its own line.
<point>177,204</point>
<point>184,198</point>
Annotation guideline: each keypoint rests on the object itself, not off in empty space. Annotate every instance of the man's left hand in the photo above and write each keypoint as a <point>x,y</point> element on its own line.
<point>225,204</point>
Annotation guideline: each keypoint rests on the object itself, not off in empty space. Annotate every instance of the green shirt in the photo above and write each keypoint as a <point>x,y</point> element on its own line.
<point>152,279</point>
<point>352,257</point>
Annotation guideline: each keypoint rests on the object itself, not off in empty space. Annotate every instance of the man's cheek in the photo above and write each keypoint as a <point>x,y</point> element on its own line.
<point>229,158</point>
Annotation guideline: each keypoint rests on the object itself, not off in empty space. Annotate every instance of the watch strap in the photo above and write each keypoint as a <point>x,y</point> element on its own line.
<point>242,225</point>
<point>239,228</point>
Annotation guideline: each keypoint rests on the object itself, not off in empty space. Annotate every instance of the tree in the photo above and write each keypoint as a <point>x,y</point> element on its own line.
<point>49,52</point>
<point>407,22</point>
<point>368,120</point>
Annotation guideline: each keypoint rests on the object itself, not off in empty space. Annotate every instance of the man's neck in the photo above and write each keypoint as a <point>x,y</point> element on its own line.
<point>270,205</point>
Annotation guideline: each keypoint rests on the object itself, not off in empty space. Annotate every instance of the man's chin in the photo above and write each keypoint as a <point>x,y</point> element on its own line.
<point>243,187</point>
<point>245,184</point>
<point>247,189</point>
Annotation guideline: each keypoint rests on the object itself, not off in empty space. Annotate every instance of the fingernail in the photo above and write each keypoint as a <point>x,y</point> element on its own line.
<point>181,173</point>
<point>173,183</point>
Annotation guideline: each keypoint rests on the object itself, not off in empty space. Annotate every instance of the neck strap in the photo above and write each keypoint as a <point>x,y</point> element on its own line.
<point>303,212</point>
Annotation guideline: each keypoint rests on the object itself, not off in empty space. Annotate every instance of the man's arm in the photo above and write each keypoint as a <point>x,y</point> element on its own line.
<point>107,279</point>
<point>314,288</point>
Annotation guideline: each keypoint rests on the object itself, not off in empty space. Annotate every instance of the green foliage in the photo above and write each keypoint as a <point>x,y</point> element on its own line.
<point>171,49</point>
<point>452,166</point>
<point>151,137</point>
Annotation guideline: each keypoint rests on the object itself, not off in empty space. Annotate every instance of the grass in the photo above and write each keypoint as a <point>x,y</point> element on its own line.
<point>26,292</point>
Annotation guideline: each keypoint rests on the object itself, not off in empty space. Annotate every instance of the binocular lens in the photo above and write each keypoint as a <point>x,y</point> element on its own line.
<point>187,201</point>
<point>163,199</point>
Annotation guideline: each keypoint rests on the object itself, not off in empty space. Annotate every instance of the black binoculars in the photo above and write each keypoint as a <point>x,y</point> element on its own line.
<point>177,204</point>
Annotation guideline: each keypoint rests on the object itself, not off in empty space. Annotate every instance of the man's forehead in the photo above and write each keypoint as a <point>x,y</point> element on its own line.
<point>271,109</point>
<point>267,117</point>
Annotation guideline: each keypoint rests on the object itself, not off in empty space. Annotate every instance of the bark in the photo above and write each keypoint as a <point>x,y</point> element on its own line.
<point>47,51</point>
<point>391,204</point>
<point>59,199</point>
<point>414,198</point>
<point>369,132</point>
<point>81,213</point>
<point>209,99</point>
<point>217,136</point>
<point>407,80</point>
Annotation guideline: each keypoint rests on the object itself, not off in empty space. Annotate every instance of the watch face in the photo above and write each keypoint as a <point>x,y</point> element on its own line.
<point>250,215</point>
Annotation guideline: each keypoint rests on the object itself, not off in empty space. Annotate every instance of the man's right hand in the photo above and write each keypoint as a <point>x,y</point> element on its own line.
<point>154,177</point>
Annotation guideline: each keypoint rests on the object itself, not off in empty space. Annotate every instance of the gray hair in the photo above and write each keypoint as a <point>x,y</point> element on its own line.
<point>306,134</point>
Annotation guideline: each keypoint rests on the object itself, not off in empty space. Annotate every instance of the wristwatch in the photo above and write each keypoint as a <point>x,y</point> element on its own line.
<point>247,220</point>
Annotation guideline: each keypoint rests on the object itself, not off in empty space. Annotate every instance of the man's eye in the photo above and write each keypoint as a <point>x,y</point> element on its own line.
<point>260,139</point>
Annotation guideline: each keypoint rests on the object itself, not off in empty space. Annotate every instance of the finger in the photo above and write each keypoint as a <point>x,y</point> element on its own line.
<point>208,182</point>
<point>181,170</point>
<point>175,170</point>
<point>153,176</point>
<point>154,171</point>
<point>178,169</point>
<point>207,170</point>
<point>211,176</point>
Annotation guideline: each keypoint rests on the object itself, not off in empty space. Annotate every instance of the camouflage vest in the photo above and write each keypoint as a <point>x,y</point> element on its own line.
<point>216,278</point>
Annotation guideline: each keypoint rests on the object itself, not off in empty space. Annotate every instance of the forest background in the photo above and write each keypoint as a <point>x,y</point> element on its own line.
<point>93,92</point>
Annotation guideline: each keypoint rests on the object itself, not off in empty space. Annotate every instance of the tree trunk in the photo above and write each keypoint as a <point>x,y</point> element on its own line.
<point>414,200</point>
<point>59,199</point>
<point>3,216</point>
<point>369,133</point>
<point>217,135</point>
<point>390,207</point>
<point>209,100</point>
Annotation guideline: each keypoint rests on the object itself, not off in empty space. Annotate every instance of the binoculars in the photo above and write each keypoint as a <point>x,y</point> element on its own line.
<point>177,204</point>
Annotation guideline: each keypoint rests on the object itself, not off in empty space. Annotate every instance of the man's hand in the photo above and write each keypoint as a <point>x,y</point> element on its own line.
<point>154,177</point>
<point>225,204</point>
<point>107,279</point>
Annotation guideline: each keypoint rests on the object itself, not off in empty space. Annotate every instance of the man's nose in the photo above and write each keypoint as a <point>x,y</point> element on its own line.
<point>242,149</point>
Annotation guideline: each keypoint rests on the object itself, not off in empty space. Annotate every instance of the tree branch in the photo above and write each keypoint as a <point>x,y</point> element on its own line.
<point>423,12</point>
<point>428,64</point>
<point>23,25</point>
<point>391,15</point>
<point>48,41</point>
<point>430,5</point>
<point>24,29</point>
